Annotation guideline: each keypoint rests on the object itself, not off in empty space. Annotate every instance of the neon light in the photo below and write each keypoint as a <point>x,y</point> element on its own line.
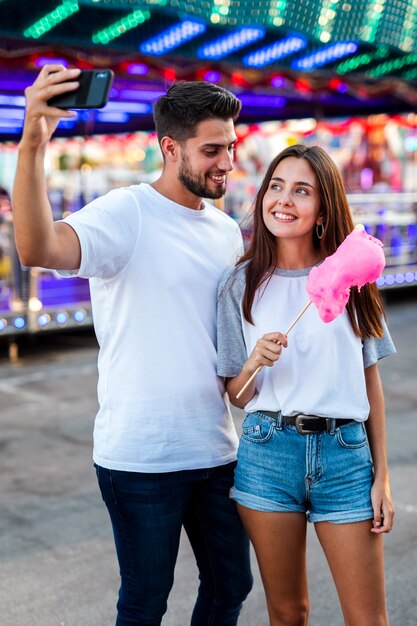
<point>44,319</point>
<point>138,94</point>
<point>11,114</point>
<point>277,50</point>
<point>19,322</point>
<point>328,54</point>
<point>120,27</point>
<point>41,61</point>
<point>235,41</point>
<point>52,19</point>
<point>212,76</point>
<point>80,315</point>
<point>108,117</point>
<point>137,69</point>
<point>262,101</point>
<point>173,37</point>
<point>18,101</point>
<point>140,108</point>
<point>61,318</point>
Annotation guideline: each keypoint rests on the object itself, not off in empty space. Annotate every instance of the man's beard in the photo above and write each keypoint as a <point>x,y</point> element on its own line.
<point>191,182</point>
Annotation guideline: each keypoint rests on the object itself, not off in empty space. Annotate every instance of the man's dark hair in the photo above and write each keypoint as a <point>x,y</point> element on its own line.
<point>187,103</point>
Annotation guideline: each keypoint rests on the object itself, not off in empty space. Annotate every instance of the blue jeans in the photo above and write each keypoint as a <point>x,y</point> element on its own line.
<point>328,476</point>
<point>147,512</point>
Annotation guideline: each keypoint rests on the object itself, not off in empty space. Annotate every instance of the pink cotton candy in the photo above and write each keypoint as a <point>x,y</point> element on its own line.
<point>357,261</point>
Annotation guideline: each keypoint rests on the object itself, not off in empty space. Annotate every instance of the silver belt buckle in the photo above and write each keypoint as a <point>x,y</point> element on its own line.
<point>303,430</point>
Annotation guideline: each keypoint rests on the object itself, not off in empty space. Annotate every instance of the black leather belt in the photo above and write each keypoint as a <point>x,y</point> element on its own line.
<point>308,424</point>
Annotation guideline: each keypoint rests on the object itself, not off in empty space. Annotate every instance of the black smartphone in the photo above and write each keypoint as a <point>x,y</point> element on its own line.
<point>92,93</point>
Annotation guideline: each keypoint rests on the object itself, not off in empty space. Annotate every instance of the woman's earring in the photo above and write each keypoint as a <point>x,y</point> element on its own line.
<point>319,230</point>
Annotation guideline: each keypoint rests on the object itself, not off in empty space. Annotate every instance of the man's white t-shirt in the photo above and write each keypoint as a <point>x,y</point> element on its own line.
<point>154,267</point>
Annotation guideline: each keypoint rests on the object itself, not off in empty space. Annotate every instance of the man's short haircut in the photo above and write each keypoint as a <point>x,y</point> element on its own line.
<point>187,103</point>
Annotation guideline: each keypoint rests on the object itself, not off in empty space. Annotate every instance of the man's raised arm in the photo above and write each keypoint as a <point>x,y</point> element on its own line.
<point>40,241</point>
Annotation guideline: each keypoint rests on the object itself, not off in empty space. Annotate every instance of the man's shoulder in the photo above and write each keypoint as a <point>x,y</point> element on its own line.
<point>220,215</point>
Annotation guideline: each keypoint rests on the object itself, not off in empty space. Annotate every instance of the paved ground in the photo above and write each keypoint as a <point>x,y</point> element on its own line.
<point>57,564</point>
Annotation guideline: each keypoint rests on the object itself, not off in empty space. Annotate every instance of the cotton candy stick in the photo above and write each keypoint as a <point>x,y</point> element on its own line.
<point>357,261</point>
<point>258,369</point>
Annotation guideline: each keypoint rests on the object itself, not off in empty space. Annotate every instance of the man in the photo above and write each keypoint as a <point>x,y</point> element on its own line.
<point>164,442</point>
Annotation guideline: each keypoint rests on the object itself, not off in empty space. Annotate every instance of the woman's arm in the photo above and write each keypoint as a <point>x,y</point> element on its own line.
<point>265,353</point>
<point>376,430</point>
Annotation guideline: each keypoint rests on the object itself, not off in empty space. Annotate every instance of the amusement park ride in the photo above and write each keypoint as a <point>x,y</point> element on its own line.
<point>316,59</point>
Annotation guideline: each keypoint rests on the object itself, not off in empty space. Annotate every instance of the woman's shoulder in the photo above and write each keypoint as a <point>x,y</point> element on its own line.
<point>232,281</point>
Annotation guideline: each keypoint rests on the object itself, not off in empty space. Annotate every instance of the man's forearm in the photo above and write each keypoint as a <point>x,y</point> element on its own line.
<point>32,214</point>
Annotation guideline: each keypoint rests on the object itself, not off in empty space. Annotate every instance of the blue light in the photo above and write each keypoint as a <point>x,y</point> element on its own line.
<point>12,114</point>
<point>380,281</point>
<point>16,101</point>
<point>109,117</point>
<point>409,277</point>
<point>325,55</point>
<point>275,51</point>
<point>44,319</point>
<point>173,37</point>
<point>140,108</point>
<point>230,43</point>
<point>389,279</point>
<point>61,317</point>
<point>19,322</point>
<point>3,324</point>
<point>140,94</point>
<point>66,123</point>
<point>249,100</point>
<point>80,315</point>
<point>399,278</point>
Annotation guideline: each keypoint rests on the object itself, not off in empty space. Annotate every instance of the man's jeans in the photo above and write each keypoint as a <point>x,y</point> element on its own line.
<point>147,512</point>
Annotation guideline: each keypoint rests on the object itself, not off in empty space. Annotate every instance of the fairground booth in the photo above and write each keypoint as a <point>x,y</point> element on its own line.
<point>338,73</point>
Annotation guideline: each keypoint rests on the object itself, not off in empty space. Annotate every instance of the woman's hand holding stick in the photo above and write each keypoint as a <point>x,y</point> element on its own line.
<point>258,369</point>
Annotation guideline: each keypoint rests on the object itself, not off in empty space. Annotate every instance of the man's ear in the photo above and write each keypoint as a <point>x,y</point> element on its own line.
<point>170,148</point>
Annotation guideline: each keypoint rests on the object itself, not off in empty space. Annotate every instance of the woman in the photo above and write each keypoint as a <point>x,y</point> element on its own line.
<point>313,445</point>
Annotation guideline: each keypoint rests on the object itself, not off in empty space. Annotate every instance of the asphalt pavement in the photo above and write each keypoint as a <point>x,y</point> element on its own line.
<point>57,561</point>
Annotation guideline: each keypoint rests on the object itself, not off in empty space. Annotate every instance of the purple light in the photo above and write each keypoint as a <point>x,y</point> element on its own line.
<point>342,88</point>
<point>139,94</point>
<point>49,60</point>
<point>138,69</point>
<point>263,101</point>
<point>278,82</point>
<point>212,76</point>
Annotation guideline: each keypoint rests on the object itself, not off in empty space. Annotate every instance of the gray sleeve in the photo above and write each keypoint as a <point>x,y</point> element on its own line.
<point>376,348</point>
<point>231,349</point>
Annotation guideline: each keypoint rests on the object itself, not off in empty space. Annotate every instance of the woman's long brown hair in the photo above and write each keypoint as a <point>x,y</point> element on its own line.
<point>364,307</point>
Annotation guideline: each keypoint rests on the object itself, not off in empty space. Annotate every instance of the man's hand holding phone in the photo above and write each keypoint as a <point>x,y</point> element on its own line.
<point>58,89</point>
<point>41,119</point>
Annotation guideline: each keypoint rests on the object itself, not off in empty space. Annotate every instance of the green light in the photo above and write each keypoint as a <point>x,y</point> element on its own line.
<point>373,18</point>
<point>393,66</point>
<point>52,19</point>
<point>120,27</point>
<point>360,60</point>
<point>410,74</point>
<point>276,12</point>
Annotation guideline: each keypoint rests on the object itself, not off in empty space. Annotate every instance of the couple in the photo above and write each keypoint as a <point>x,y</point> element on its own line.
<point>164,440</point>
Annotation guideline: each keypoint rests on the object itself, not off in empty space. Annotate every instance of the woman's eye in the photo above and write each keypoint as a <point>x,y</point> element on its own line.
<point>275,187</point>
<point>303,192</point>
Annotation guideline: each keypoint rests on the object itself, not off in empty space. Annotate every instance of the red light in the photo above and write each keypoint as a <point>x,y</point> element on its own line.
<point>170,74</point>
<point>238,79</point>
<point>301,84</point>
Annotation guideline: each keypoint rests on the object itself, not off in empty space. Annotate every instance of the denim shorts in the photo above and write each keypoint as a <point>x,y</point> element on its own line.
<point>328,476</point>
